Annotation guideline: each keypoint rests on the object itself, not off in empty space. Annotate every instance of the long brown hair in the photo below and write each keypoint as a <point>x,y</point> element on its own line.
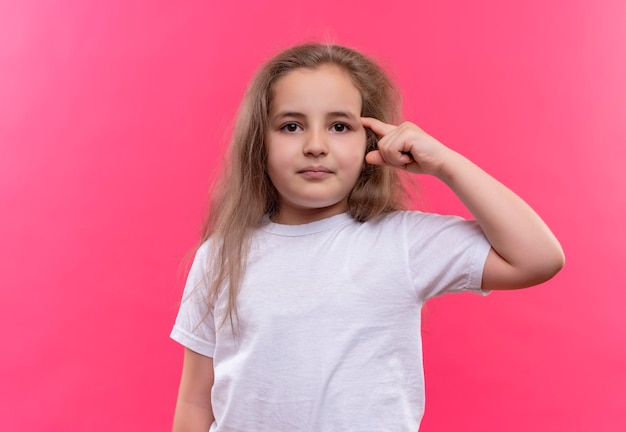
<point>244,194</point>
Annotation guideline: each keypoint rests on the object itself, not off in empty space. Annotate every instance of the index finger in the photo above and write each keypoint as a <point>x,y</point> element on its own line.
<point>379,128</point>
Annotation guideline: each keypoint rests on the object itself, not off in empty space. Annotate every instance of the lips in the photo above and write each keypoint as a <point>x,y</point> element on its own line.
<point>315,172</point>
<point>315,169</point>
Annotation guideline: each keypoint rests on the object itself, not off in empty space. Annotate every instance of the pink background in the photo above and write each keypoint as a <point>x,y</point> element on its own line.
<point>112,117</point>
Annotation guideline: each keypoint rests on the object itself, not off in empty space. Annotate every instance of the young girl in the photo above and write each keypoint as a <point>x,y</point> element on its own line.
<point>301,311</point>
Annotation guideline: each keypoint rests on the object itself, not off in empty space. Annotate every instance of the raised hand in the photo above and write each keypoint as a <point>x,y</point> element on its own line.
<point>405,146</point>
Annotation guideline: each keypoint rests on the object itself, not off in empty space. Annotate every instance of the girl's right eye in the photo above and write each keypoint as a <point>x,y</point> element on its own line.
<point>290,127</point>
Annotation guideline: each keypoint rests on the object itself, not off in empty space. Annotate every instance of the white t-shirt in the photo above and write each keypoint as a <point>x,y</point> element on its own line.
<point>329,333</point>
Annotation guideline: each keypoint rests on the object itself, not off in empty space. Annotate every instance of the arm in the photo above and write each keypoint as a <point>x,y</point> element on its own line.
<point>193,406</point>
<point>524,250</point>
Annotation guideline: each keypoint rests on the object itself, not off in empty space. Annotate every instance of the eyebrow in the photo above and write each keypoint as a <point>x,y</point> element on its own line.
<point>342,114</point>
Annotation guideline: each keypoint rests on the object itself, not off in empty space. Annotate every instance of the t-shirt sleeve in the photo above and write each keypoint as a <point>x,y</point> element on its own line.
<point>195,326</point>
<point>447,255</point>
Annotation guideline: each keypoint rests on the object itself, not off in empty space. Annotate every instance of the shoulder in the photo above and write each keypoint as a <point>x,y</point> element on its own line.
<point>201,254</point>
<point>413,220</point>
<point>203,249</point>
<point>421,228</point>
<point>201,259</point>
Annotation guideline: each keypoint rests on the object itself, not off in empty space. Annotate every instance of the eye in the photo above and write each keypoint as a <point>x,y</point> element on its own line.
<point>340,127</point>
<point>290,127</point>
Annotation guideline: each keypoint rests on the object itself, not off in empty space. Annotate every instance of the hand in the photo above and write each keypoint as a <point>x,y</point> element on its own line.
<point>405,146</point>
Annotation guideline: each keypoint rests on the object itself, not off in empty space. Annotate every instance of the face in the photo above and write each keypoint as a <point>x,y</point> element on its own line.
<point>315,143</point>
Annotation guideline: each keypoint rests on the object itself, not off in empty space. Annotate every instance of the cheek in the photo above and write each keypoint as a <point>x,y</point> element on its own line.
<point>277,155</point>
<point>274,164</point>
<point>353,155</point>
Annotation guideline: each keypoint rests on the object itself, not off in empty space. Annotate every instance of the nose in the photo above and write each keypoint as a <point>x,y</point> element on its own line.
<point>315,143</point>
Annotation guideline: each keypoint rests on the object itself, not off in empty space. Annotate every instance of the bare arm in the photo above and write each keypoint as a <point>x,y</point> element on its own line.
<point>524,250</point>
<point>193,406</point>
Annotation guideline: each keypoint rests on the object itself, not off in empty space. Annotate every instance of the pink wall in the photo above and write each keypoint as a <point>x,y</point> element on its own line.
<point>111,118</point>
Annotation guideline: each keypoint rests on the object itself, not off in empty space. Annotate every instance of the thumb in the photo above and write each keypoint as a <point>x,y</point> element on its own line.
<point>374,158</point>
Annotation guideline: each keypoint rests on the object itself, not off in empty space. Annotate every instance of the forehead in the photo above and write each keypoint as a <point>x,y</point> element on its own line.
<point>326,88</point>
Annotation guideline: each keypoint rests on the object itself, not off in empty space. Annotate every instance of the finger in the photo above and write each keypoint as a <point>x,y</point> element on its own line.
<point>394,148</point>
<point>379,128</point>
<point>400,160</point>
<point>405,159</point>
<point>375,158</point>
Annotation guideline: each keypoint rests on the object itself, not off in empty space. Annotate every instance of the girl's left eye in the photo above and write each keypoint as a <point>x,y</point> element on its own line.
<point>340,127</point>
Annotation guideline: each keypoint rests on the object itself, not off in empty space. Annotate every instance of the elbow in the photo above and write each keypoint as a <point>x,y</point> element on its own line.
<point>537,267</point>
<point>551,264</point>
<point>559,262</point>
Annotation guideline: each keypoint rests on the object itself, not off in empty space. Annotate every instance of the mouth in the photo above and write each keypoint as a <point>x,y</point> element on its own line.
<point>315,172</point>
<point>315,169</point>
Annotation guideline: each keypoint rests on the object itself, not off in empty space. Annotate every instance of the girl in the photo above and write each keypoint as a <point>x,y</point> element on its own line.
<point>301,311</point>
